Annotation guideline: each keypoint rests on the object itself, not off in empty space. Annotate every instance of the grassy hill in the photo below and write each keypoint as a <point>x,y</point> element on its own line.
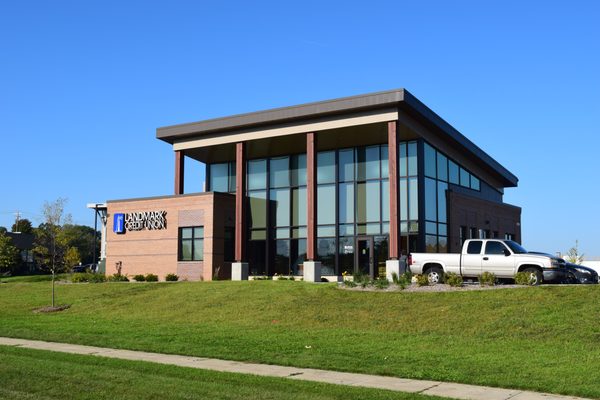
<point>544,338</point>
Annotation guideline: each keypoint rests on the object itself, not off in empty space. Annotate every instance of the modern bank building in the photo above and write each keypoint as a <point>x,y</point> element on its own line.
<point>313,190</point>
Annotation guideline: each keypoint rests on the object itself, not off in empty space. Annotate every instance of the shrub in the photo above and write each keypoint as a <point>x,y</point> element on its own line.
<point>360,278</point>
<point>151,278</point>
<point>524,278</point>
<point>381,283</point>
<point>118,278</point>
<point>350,283</point>
<point>80,277</point>
<point>405,280</point>
<point>171,278</point>
<point>97,278</point>
<point>139,278</point>
<point>487,279</point>
<point>422,280</point>
<point>453,279</point>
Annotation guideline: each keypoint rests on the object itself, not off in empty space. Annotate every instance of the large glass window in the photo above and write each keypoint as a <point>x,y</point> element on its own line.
<point>219,177</point>
<point>257,174</point>
<point>280,207</point>
<point>326,204</point>
<point>299,206</point>
<point>368,202</point>
<point>346,165</point>
<point>280,172</point>
<point>191,244</point>
<point>367,163</point>
<point>346,203</point>
<point>326,167</point>
<point>258,209</point>
<point>299,170</point>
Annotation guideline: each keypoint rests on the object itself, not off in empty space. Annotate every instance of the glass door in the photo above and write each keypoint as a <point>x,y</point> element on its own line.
<point>364,256</point>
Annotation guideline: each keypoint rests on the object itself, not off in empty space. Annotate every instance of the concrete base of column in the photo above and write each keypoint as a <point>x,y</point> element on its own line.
<point>394,266</point>
<point>239,271</point>
<point>312,271</point>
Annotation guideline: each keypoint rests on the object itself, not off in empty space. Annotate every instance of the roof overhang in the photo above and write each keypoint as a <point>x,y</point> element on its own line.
<point>324,115</point>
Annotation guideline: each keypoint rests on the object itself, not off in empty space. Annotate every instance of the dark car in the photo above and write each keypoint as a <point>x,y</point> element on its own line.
<point>581,274</point>
<point>84,268</point>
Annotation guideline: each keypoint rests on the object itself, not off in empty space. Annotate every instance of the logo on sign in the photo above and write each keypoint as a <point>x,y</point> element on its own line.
<point>119,223</point>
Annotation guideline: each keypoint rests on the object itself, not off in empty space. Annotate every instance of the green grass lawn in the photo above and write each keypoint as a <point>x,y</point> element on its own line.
<point>35,374</point>
<point>544,338</point>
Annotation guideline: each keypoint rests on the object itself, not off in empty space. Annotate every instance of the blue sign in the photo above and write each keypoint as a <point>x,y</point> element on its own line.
<point>119,223</point>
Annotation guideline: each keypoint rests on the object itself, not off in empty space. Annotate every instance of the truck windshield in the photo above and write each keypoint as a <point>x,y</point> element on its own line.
<point>515,247</point>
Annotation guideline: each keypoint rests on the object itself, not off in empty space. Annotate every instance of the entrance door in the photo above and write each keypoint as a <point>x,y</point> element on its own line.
<point>364,256</point>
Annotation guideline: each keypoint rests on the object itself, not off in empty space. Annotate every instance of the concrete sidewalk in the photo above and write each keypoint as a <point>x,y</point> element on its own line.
<point>434,388</point>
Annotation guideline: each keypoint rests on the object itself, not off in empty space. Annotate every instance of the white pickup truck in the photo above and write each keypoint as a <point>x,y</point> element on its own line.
<point>504,258</point>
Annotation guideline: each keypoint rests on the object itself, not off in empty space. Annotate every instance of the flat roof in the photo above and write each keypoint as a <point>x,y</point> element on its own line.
<point>400,98</point>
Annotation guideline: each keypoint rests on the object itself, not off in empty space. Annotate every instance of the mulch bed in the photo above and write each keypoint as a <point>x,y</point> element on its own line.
<point>50,309</point>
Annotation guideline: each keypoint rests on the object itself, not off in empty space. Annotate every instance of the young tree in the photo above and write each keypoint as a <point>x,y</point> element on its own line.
<point>50,245</point>
<point>573,255</point>
<point>8,253</point>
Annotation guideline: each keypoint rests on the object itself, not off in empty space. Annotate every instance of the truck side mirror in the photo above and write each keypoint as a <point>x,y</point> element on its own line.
<point>506,252</point>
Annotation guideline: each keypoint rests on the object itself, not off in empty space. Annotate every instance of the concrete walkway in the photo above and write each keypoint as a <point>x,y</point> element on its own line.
<point>434,388</point>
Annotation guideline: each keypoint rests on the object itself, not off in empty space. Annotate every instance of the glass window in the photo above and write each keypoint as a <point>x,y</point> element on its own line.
<point>452,172</point>
<point>258,209</point>
<point>258,234</point>
<point>327,230</point>
<point>279,173</point>
<point>430,157</point>
<point>257,174</point>
<point>441,197</point>
<point>299,170</point>
<point>474,183</point>
<point>232,175</point>
<point>299,232</point>
<point>367,163</point>
<point>413,199</point>
<point>430,199</point>
<point>442,167</point>
<point>346,165</point>
<point>229,245</point>
<point>385,200</point>
<point>280,207</point>
<point>384,161</point>
<point>474,247</point>
<point>325,204</point>
<point>494,248</point>
<point>346,254</point>
<point>368,202</point>
<point>299,206</point>
<point>191,244</point>
<point>430,244</point>
<point>403,199</point>
<point>443,229</point>
<point>442,244</point>
<point>431,228</point>
<point>257,257</point>
<point>282,257</point>
<point>326,254</point>
<point>346,202</point>
<point>464,178</point>
<point>219,177</point>
<point>412,158</point>
<point>346,230</point>
<point>297,255</point>
<point>326,167</point>
<point>403,168</point>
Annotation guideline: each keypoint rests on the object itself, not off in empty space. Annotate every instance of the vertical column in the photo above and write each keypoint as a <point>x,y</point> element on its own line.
<point>393,264</point>
<point>239,268</point>
<point>311,201</point>
<point>240,200</point>
<point>179,169</point>
<point>394,195</point>
<point>312,268</point>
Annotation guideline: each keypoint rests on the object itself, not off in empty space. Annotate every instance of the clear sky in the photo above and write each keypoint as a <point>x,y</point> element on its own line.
<point>85,84</point>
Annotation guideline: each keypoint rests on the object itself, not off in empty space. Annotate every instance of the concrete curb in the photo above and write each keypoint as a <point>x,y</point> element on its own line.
<point>434,388</point>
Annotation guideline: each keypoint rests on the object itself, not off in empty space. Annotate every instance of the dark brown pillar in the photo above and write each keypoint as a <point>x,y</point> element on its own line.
<point>394,196</point>
<point>240,201</point>
<point>179,167</point>
<point>311,200</point>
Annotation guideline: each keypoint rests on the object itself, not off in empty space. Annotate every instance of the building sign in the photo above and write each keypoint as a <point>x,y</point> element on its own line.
<point>138,221</point>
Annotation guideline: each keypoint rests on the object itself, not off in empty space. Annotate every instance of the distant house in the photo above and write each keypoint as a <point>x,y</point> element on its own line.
<point>24,242</point>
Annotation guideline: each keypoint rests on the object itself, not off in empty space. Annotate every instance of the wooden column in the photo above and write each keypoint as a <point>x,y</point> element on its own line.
<point>240,201</point>
<point>394,195</point>
<point>311,198</point>
<point>179,169</point>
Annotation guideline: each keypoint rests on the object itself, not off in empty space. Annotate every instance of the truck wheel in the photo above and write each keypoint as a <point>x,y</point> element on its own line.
<point>435,275</point>
<point>535,275</point>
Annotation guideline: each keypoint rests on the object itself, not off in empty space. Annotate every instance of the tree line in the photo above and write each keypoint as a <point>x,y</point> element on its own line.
<point>58,244</point>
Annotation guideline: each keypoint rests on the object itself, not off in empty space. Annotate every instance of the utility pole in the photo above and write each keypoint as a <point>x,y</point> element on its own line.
<point>17,216</point>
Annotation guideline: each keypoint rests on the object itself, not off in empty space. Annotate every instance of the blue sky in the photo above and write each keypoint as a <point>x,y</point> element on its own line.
<point>85,84</point>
